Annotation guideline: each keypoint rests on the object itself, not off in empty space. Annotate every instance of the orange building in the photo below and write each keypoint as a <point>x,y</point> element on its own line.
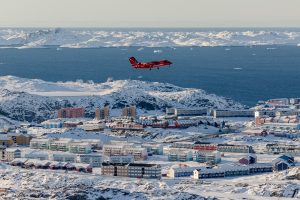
<point>129,111</point>
<point>102,113</point>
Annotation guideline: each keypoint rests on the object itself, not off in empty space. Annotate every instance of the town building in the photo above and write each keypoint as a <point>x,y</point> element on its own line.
<point>102,113</point>
<point>281,126</point>
<point>276,116</point>
<point>228,170</point>
<point>181,155</point>
<point>189,112</point>
<point>294,101</point>
<point>129,112</point>
<point>185,171</point>
<point>95,143</point>
<point>39,143</point>
<point>280,165</point>
<point>80,147</point>
<point>72,124</point>
<point>82,167</point>
<point>59,145</point>
<point>2,152</point>
<point>114,169</point>
<point>204,146</point>
<point>153,148</point>
<point>283,149</point>
<point>235,148</point>
<point>92,126</point>
<point>141,170</point>
<point>286,133</point>
<point>112,150</point>
<point>18,162</point>
<point>139,153</point>
<point>184,145</point>
<point>207,157</point>
<point>37,155</point>
<point>94,160</point>
<point>11,154</point>
<point>63,157</point>
<point>53,123</point>
<point>233,113</point>
<point>67,145</point>
<point>70,113</point>
<point>133,170</point>
<point>126,126</point>
<point>170,111</point>
<point>119,159</point>
<point>5,140</point>
<point>248,159</point>
<point>287,158</point>
<point>281,101</point>
<point>20,139</point>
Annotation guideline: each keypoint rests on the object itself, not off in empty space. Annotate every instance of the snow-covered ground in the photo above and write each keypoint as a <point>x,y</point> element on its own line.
<point>87,38</point>
<point>47,184</point>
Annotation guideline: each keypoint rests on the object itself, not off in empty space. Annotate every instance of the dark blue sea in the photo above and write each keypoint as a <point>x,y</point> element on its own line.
<point>245,74</point>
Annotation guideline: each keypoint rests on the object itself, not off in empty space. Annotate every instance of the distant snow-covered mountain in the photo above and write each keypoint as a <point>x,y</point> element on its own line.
<point>87,38</point>
<point>37,100</point>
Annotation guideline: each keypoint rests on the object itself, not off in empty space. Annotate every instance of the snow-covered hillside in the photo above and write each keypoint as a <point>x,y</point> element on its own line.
<point>86,38</point>
<point>37,100</point>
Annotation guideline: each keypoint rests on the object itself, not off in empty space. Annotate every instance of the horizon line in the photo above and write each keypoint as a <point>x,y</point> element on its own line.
<point>153,27</point>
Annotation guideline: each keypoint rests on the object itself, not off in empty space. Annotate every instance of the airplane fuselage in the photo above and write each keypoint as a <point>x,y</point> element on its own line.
<point>153,64</point>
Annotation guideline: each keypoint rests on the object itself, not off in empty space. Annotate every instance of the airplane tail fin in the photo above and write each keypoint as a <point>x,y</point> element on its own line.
<point>133,61</point>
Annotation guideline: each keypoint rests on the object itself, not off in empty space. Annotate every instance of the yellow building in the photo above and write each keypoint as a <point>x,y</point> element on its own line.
<point>5,140</point>
<point>20,139</point>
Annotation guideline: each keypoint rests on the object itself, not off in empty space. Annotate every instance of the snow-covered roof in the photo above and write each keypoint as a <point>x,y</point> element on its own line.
<point>4,137</point>
<point>12,149</point>
<point>20,160</point>
<point>41,140</point>
<point>187,169</point>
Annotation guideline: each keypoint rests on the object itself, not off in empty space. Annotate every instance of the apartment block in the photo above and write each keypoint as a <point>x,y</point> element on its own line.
<point>102,113</point>
<point>129,112</point>
<point>70,113</point>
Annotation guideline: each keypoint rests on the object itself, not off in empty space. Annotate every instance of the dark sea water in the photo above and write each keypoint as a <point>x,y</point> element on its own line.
<point>245,74</point>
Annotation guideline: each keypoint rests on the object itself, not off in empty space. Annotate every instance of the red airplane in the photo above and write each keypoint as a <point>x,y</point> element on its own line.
<point>148,65</point>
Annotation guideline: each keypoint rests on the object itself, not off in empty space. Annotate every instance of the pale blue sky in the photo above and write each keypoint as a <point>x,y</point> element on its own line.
<point>149,13</point>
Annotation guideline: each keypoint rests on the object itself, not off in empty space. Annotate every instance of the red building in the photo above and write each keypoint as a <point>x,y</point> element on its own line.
<point>70,113</point>
<point>203,146</point>
<point>249,159</point>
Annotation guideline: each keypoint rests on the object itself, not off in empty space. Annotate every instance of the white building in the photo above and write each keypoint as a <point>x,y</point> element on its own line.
<point>120,159</point>
<point>282,126</point>
<point>59,145</point>
<point>39,143</point>
<point>139,153</point>
<point>39,155</point>
<point>94,160</point>
<point>153,148</point>
<point>189,112</point>
<point>233,113</point>
<point>95,143</point>
<point>12,153</point>
<point>92,126</point>
<point>80,147</point>
<point>211,157</point>
<point>178,154</point>
<point>63,157</point>
<point>175,172</point>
